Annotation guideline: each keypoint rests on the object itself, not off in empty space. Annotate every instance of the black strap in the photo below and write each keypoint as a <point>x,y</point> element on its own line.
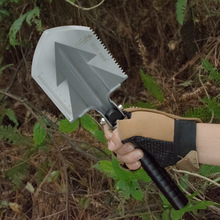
<point>184,137</point>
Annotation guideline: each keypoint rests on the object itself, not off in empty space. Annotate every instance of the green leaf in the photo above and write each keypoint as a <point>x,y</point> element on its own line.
<point>166,215</point>
<point>39,134</point>
<point>178,214</point>
<point>16,26</point>
<point>123,188</point>
<point>99,135</point>
<point>180,10</point>
<point>121,173</point>
<point>33,17</point>
<point>67,127</point>
<point>183,181</point>
<point>106,167</point>
<point>208,170</point>
<point>53,176</point>
<point>30,17</point>
<point>135,190</point>
<point>130,188</point>
<point>193,195</point>
<point>126,182</point>
<point>88,123</point>
<point>11,115</point>
<point>152,86</point>
<point>141,175</point>
<point>166,204</point>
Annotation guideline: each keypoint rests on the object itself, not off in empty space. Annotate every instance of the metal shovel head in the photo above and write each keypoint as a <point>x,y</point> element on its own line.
<point>76,71</point>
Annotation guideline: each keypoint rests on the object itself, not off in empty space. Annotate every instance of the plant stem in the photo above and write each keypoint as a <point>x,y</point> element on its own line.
<point>197,175</point>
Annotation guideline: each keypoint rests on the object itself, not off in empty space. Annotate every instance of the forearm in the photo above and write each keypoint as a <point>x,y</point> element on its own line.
<point>208,143</point>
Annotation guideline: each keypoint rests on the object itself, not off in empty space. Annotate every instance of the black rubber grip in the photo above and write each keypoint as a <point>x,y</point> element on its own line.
<point>157,173</point>
<point>164,182</point>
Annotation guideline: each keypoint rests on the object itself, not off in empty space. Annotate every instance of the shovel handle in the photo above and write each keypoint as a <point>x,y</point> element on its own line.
<point>163,181</point>
<point>157,173</point>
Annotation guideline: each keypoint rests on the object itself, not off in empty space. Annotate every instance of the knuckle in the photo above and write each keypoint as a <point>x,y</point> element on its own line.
<point>134,166</point>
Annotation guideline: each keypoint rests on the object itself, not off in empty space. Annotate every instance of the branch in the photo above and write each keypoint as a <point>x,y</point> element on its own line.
<point>85,9</point>
<point>76,147</point>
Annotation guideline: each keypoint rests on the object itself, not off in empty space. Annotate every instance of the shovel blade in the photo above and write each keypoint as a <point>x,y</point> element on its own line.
<point>76,71</point>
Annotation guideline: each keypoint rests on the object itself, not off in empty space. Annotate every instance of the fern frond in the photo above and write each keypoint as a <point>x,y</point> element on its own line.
<point>212,105</point>
<point>11,135</point>
<point>180,10</point>
<point>18,173</point>
<point>152,86</point>
<point>199,112</point>
<point>214,74</point>
<point>9,113</point>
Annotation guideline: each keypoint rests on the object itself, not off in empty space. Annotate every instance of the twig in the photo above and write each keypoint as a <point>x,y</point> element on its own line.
<point>35,196</point>
<point>24,54</point>
<point>22,101</point>
<point>77,148</point>
<point>27,105</point>
<point>203,86</point>
<point>44,180</point>
<point>191,187</point>
<point>48,216</point>
<point>83,8</point>
<point>197,175</point>
<point>66,178</point>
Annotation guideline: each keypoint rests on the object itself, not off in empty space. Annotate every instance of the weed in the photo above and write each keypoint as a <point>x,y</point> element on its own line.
<point>87,122</point>
<point>30,17</point>
<point>180,10</point>
<point>152,86</point>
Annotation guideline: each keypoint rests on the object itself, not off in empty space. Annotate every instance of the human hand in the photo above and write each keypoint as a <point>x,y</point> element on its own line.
<point>125,152</point>
<point>168,138</point>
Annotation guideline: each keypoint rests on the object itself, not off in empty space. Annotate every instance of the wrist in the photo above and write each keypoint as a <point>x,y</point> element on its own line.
<point>208,143</point>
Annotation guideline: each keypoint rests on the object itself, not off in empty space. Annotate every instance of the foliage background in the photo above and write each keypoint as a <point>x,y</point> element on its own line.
<point>48,174</point>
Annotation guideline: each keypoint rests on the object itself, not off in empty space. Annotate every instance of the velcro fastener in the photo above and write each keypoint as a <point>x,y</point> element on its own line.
<point>184,137</point>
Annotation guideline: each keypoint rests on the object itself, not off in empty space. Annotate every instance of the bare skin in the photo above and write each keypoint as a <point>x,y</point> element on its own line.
<point>207,146</point>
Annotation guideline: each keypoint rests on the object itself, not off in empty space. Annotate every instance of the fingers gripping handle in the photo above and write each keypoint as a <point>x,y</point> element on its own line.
<point>163,181</point>
<point>157,173</point>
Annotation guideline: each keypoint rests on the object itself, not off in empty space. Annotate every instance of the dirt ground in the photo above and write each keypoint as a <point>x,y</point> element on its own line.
<point>140,34</point>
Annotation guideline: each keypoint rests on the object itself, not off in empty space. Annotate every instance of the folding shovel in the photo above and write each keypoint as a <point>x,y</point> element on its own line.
<point>78,74</point>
